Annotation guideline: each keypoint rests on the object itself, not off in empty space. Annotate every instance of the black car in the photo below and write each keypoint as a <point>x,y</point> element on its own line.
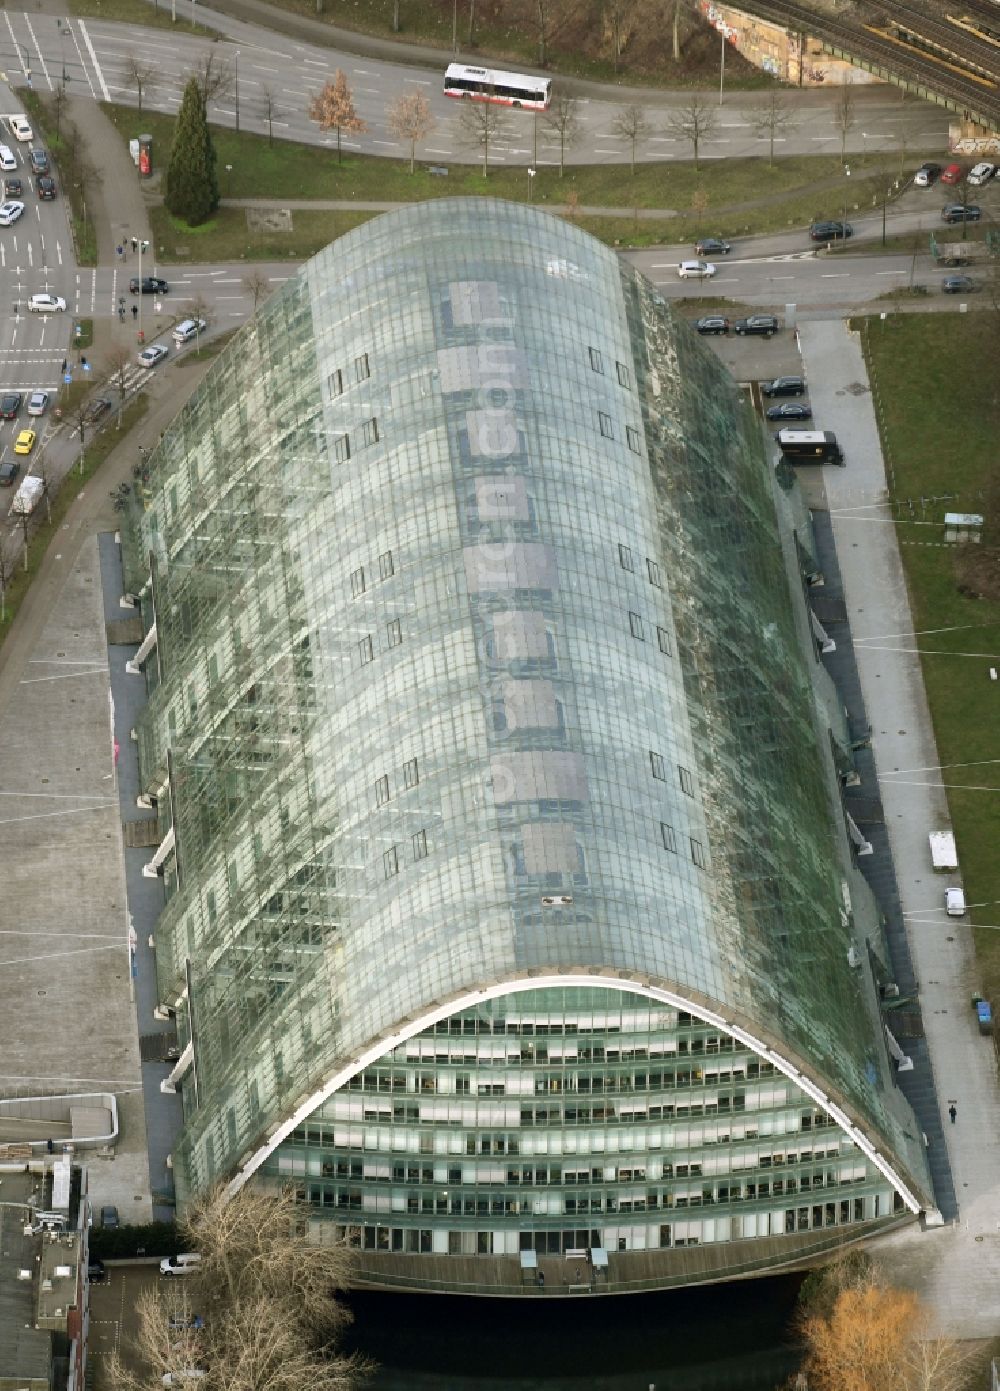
<point>959,284</point>
<point>961,212</point>
<point>151,285</point>
<point>712,323</point>
<point>783,386</point>
<point>109,1218</point>
<point>96,1271</point>
<point>712,246</point>
<point>13,188</point>
<point>45,187</point>
<point>763,325</point>
<point>96,408</point>
<point>789,410</point>
<point>8,472</point>
<point>39,162</point>
<point>831,231</point>
<point>10,404</point>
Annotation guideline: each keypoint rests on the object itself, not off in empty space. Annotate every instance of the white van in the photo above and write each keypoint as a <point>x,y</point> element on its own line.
<point>696,270</point>
<point>184,1264</point>
<point>188,329</point>
<point>183,1378</point>
<point>7,161</point>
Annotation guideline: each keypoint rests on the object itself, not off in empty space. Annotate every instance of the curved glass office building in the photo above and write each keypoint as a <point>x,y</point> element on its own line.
<point>510,910</point>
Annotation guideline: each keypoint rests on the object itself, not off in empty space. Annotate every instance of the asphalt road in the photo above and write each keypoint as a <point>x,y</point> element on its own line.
<point>95,56</point>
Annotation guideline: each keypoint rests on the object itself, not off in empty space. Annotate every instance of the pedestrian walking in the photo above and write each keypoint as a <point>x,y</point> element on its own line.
<point>953,1112</point>
<point>121,313</point>
<point>121,251</point>
<point>135,245</point>
<point>135,311</point>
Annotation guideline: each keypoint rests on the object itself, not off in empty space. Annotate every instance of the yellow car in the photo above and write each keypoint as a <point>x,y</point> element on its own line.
<point>25,442</point>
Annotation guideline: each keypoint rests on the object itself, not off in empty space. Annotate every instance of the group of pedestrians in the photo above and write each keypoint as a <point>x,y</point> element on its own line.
<point>121,310</point>
<point>122,247</point>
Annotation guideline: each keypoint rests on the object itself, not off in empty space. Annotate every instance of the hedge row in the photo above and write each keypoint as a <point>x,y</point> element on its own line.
<point>151,1239</point>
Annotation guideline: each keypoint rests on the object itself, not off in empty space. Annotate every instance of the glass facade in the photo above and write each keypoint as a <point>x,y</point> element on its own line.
<point>482,666</point>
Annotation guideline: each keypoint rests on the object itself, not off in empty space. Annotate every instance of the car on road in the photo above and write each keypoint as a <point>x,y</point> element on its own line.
<point>150,356</point>
<point>696,270</point>
<point>712,323</point>
<point>954,902</point>
<point>9,471</point>
<point>39,161</point>
<point>109,1218</point>
<point>184,1264</point>
<point>151,285</point>
<point>712,246</point>
<point>759,325</point>
<point>783,386</point>
<point>96,1271</point>
<point>38,403</point>
<point>10,212</point>
<point>831,231</point>
<point>952,174</point>
<point>927,174</point>
<point>188,329</point>
<point>981,173</point>
<point>184,1377</point>
<point>20,128</point>
<point>176,1322</point>
<point>961,212</point>
<point>10,404</point>
<point>46,304</point>
<point>95,409</point>
<point>959,285</point>
<point>790,410</point>
<point>12,188</point>
<point>45,187</point>
<point>25,442</point>
<point>7,161</point>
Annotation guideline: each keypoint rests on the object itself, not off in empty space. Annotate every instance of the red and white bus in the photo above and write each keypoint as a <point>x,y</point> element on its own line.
<point>509,88</point>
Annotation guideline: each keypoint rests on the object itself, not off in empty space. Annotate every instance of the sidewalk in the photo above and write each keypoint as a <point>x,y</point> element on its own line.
<point>115,200</point>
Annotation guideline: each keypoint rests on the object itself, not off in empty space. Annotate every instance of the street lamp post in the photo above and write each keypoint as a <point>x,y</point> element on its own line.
<point>237,91</point>
<point>62,50</point>
<point>722,64</point>
<point>847,174</point>
<point>25,63</point>
<point>531,184</point>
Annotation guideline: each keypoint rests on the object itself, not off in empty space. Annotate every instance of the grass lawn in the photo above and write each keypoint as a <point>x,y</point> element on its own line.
<point>929,372</point>
<point>225,237</point>
<point>137,12</point>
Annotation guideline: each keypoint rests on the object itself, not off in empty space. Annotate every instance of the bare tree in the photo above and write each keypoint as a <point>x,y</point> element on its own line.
<point>482,124</point>
<point>562,117</point>
<point>619,16</point>
<point>543,17</point>
<point>116,365</point>
<point>214,76</point>
<point>256,283</point>
<point>138,74</point>
<point>41,469</point>
<point>772,118</point>
<point>694,122</point>
<point>6,575</point>
<point>58,102</point>
<point>845,115</point>
<point>410,119</point>
<point>270,104</point>
<point>630,124</point>
<point>333,109</point>
<point>200,311</point>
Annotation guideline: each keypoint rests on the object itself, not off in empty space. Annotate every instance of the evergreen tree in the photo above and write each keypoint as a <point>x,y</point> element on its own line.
<point>192,190</point>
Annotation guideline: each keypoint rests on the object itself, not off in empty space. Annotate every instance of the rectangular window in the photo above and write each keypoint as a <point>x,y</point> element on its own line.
<point>419,842</point>
<point>633,438</point>
<point>698,854</point>
<point>361,369</point>
<point>365,650</point>
<point>596,361</point>
<point>607,429</point>
<point>635,625</point>
<point>337,383</point>
<point>342,449</point>
<point>385,569</point>
<point>382,790</point>
<point>653,571</point>
<point>663,638</point>
<point>657,766</point>
<point>687,781</point>
<point>390,862</point>
<point>624,379</point>
<point>669,839</point>
<point>358,582</point>
<point>394,632</point>
<point>410,775</point>
<point>369,431</point>
<point>625,558</point>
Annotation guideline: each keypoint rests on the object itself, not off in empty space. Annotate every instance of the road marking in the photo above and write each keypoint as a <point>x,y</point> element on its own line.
<point>891,272</point>
<point>363,72</point>
<point>734,125</point>
<point>840,275</point>
<point>432,150</point>
<point>93,58</point>
<point>393,144</point>
<point>420,81</point>
<point>41,55</point>
<point>781,277</point>
<point>316,62</point>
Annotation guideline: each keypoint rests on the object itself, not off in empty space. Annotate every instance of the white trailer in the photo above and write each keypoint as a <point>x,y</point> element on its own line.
<point>944,856</point>
<point>27,496</point>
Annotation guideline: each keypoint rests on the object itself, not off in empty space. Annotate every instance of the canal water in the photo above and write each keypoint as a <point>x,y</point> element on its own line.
<point>734,1337</point>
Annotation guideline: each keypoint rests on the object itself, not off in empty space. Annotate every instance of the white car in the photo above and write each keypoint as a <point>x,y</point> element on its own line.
<point>7,161</point>
<point>10,212</point>
<point>20,128</point>
<point>149,357</point>
<point>46,304</point>
<point>184,1264</point>
<point>954,902</point>
<point>696,270</point>
<point>981,173</point>
<point>38,403</point>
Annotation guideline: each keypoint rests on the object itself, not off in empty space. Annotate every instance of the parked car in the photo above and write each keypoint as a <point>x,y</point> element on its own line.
<point>762,325</point>
<point>20,128</point>
<point>10,404</point>
<point>39,161</point>
<point>25,442</point>
<point>96,407</point>
<point>96,1271</point>
<point>46,304</point>
<point>959,285</point>
<point>7,161</point>
<point>38,403</point>
<point>712,323</point>
<point>696,270</point>
<point>981,173</point>
<point>954,902</point>
<point>45,187</point>
<point>151,285</point>
<point>149,357</point>
<point>712,246</point>
<point>961,212</point>
<point>10,212</point>
<point>12,188</point>
<point>184,1264</point>
<point>9,471</point>
<point>952,174</point>
<point>176,1322</point>
<point>188,329</point>
<point>790,410</point>
<point>783,386</point>
<point>831,231</point>
<point>109,1218</point>
<point>927,174</point>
